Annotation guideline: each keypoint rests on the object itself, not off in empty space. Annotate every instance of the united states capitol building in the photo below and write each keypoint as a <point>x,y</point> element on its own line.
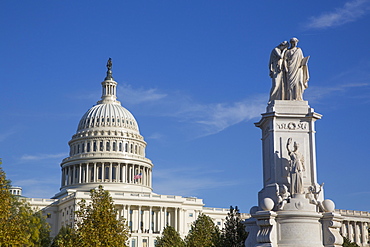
<point>108,149</point>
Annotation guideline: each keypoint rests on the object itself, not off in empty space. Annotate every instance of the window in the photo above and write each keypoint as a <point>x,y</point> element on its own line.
<point>88,147</point>
<point>114,146</point>
<point>191,215</point>
<point>101,146</point>
<point>48,215</point>
<point>120,146</point>
<point>108,146</point>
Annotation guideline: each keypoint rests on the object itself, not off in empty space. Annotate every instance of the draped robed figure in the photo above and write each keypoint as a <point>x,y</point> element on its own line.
<point>296,72</point>
<point>276,71</point>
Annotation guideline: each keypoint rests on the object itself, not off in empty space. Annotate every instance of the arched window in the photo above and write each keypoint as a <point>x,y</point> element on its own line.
<point>83,148</point>
<point>78,148</point>
<point>131,148</point>
<point>135,149</point>
<point>114,146</point>
<point>126,147</point>
<point>101,146</point>
<point>108,146</point>
<point>95,147</point>
<point>120,146</point>
<point>88,147</point>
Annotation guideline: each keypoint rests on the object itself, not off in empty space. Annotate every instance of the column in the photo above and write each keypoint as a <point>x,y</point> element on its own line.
<point>176,226</point>
<point>146,176</point>
<point>161,220</point>
<point>63,177</point>
<point>118,172</point>
<point>128,214</point>
<point>155,221</point>
<point>111,172</point>
<point>150,219</point>
<point>130,172</point>
<point>363,233</point>
<point>102,172</point>
<point>139,220</point>
<point>87,178</point>
<point>95,172</point>
<point>79,173</point>
<point>182,221</point>
<point>74,174</point>
<point>123,175</point>
<point>165,217</point>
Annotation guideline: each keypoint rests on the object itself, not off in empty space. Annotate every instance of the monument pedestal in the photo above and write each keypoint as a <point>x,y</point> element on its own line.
<point>291,211</point>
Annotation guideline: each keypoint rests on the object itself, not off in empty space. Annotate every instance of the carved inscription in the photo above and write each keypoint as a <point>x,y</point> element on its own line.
<point>292,126</point>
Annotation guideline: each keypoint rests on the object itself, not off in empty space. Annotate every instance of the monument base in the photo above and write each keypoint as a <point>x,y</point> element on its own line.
<point>298,224</point>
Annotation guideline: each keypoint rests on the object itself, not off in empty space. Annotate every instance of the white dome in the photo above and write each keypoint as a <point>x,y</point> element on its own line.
<point>108,115</point>
<point>107,148</point>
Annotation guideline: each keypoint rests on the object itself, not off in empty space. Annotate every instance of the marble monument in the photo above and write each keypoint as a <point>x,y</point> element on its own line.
<point>291,208</point>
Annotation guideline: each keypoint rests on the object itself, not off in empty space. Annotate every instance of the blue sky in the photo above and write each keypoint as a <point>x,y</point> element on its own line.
<point>195,76</point>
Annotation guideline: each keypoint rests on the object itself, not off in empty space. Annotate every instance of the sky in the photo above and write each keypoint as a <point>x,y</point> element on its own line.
<point>195,76</point>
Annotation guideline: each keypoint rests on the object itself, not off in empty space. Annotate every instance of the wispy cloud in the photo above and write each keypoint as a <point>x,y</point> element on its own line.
<point>140,95</point>
<point>351,11</point>
<point>217,117</point>
<point>155,136</point>
<point>210,118</point>
<point>6,134</point>
<point>316,93</point>
<point>42,156</point>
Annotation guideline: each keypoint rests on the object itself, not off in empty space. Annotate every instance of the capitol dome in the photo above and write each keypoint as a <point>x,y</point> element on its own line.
<point>107,148</point>
<point>108,115</point>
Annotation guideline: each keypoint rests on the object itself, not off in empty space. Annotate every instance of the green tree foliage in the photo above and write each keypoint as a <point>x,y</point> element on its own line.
<point>66,237</point>
<point>170,238</point>
<point>203,232</point>
<point>348,243</point>
<point>97,224</point>
<point>233,234</point>
<point>19,224</point>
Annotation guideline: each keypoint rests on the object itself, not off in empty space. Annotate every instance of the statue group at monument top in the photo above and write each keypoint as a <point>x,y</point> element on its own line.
<point>289,71</point>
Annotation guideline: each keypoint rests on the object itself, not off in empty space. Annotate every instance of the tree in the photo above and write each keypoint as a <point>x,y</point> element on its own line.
<point>66,237</point>
<point>97,224</point>
<point>233,234</point>
<point>170,238</point>
<point>19,224</point>
<point>203,232</point>
<point>348,243</point>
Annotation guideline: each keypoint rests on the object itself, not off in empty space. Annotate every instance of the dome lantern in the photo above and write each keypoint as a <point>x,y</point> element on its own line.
<point>109,87</point>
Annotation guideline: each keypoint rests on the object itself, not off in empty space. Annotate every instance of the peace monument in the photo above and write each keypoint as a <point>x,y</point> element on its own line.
<point>291,208</point>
